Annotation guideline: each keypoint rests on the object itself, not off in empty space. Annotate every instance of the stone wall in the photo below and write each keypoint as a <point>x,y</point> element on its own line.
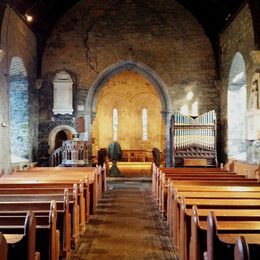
<point>17,40</point>
<point>163,35</point>
<point>237,37</point>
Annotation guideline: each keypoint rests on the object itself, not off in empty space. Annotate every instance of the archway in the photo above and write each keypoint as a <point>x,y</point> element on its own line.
<point>59,138</point>
<point>132,116</point>
<point>56,135</point>
<point>18,111</point>
<point>237,108</point>
<point>159,86</point>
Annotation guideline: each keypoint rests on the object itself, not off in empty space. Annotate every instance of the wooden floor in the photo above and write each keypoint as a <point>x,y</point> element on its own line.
<point>127,226</point>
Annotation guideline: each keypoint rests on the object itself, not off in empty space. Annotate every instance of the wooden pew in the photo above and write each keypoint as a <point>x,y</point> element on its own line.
<point>180,179</point>
<point>96,175</point>
<point>47,236</point>
<point>230,219</point>
<point>50,182</point>
<point>180,223</point>
<point>89,174</point>
<point>168,195</point>
<point>221,246</point>
<point>165,190</point>
<point>76,189</point>
<point>66,207</point>
<point>174,215</point>
<point>21,246</point>
<point>3,247</point>
<point>241,251</point>
<point>162,178</point>
<point>157,173</point>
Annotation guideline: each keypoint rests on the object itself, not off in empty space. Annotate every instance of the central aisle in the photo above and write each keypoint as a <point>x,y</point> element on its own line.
<point>127,226</point>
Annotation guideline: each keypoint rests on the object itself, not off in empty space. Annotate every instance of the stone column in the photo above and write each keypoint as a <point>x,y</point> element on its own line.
<point>89,118</point>
<point>167,118</point>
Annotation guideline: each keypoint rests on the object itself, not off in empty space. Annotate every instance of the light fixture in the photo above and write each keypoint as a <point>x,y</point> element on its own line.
<point>28,18</point>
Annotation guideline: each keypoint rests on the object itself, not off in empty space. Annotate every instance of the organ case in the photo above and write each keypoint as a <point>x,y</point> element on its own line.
<point>194,138</point>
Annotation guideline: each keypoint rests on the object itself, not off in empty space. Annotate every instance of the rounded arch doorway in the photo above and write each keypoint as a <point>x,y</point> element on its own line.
<point>58,134</point>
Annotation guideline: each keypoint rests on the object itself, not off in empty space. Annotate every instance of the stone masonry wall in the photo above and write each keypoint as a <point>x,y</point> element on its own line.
<point>161,34</point>
<point>237,37</point>
<point>17,40</point>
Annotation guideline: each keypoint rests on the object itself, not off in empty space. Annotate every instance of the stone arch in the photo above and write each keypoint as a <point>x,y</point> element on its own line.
<point>236,108</point>
<point>139,67</point>
<point>18,110</point>
<point>69,130</point>
<point>147,72</point>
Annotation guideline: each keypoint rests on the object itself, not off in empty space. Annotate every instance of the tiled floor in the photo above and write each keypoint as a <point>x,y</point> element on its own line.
<point>127,226</point>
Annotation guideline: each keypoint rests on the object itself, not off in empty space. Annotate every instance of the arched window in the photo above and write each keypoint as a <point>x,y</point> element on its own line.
<point>115,124</point>
<point>237,108</point>
<point>145,124</point>
<point>18,111</point>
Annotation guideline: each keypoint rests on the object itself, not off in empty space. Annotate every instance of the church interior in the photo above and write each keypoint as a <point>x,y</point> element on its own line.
<point>129,129</point>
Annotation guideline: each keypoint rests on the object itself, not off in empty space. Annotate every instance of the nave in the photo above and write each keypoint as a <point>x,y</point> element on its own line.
<point>127,225</point>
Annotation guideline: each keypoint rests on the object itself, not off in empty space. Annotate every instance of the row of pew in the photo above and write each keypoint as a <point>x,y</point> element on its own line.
<point>211,213</point>
<point>45,210</point>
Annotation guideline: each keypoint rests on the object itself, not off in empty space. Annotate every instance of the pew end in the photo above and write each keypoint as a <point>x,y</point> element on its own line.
<point>3,247</point>
<point>211,235</point>
<point>241,251</point>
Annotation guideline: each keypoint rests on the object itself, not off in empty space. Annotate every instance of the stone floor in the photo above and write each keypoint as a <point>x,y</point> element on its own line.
<point>127,226</point>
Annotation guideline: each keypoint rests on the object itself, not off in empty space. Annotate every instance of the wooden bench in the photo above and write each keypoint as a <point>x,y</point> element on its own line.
<point>21,245</point>
<point>75,192</point>
<point>246,197</point>
<point>157,172</point>
<point>52,182</point>
<point>89,174</point>
<point>44,182</point>
<point>179,189</point>
<point>3,247</point>
<point>221,246</point>
<point>213,180</point>
<point>241,251</point>
<point>175,221</point>
<point>67,214</point>
<point>96,174</point>
<point>195,233</point>
<point>165,173</point>
<point>47,235</point>
<point>180,223</point>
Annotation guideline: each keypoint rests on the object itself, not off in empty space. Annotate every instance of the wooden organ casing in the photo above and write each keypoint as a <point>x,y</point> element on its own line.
<point>194,138</point>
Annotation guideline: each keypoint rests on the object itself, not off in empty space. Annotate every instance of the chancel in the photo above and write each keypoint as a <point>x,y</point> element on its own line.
<point>129,129</point>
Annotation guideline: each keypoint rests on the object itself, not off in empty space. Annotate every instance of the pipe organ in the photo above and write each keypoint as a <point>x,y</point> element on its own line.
<point>194,138</point>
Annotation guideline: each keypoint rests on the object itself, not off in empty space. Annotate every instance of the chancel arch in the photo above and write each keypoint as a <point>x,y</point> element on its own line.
<point>18,111</point>
<point>129,93</point>
<point>237,108</point>
<point>157,86</point>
